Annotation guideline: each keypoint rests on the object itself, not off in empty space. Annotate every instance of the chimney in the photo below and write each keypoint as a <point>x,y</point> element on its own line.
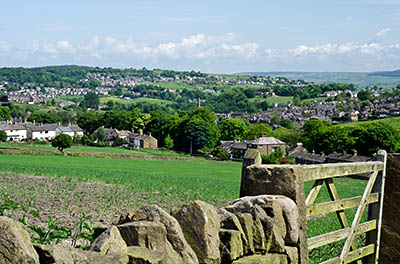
<point>141,132</point>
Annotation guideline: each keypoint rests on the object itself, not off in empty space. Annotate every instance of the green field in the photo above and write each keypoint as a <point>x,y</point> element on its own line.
<point>279,99</point>
<point>80,148</point>
<point>205,180</point>
<point>151,101</point>
<point>172,85</point>
<point>393,121</point>
<point>315,99</point>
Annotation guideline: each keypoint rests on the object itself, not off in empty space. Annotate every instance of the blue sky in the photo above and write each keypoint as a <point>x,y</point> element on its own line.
<point>210,36</point>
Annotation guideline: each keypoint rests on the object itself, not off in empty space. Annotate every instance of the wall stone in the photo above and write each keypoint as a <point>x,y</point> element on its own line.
<point>279,180</point>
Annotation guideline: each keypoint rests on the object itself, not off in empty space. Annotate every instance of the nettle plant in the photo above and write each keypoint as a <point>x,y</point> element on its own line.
<point>55,232</point>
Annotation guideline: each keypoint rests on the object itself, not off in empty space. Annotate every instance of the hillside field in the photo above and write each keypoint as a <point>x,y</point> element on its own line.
<point>393,121</point>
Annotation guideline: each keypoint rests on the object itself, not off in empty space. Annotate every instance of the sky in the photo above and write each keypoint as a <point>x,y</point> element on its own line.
<point>209,36</point>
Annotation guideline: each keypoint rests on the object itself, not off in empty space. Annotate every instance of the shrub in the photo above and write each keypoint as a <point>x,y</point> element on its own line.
<point>61,142</point>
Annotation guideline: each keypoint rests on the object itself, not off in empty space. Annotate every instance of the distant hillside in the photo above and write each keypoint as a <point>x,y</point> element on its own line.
<point>359,79</point>
<point>386,73</point>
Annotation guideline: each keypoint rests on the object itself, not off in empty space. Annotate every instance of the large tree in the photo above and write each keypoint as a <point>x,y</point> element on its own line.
<point>232,128</point>
<point>312,134</point>
<point>258,130</point>
<point>197,130</point>
<point>5,113</point>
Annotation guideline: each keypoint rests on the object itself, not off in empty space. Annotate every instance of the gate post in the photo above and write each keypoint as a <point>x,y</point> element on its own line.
<point>284,180</point>
<point>390,238</point>
<point>375,210</point>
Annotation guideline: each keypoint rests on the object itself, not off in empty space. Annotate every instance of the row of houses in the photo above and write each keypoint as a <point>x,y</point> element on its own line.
<point>31,131</point>
<point>132,139</point>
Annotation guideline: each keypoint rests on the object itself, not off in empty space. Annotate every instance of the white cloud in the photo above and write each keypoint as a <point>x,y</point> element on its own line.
<point>217,52</point>
<point>382,32</point>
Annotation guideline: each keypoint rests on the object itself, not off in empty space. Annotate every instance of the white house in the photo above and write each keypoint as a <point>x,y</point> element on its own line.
<point>15,132</point>
<point>65,130</point>
<point>43,132</point>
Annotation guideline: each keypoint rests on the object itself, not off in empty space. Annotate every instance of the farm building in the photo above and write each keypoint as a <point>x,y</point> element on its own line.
<point>140,140</point>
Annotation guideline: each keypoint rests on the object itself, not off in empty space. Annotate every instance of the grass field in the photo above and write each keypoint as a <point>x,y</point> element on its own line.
<point>279,99</point>
<point>80,148</point>
<point>209,181</point>
<point>393,121</point>
<point>172,85</point>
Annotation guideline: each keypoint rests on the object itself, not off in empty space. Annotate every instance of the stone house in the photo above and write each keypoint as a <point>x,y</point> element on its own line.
<point>267,145</point>
<point>140,140</point>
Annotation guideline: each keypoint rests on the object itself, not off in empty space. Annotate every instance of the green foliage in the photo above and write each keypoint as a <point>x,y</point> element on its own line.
<point>91,100</point>
<point>101,134</point>
<point>290,136</point>
<point>5,113</point>
<point>276,157</point>
<point>220,154</point>
<point>168,142</point>
<point>311,134</point>
<point>197,130</point>
<point>369,138</point>
<point>118,142</point>
<point>61,142</point>
<point>3,136</point>
<point>364,95</point>
<point>287,123</point>
<point>232,100</point>
<point>258,130</point>
<point>55,231</point>
<point>44,117</point>
<point>86,141</point>
<point>366,138</point>
<point>89,121</point>
<point>232,128</point>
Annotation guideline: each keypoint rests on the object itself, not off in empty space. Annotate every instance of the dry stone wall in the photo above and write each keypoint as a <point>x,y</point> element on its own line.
<point>256,230</point>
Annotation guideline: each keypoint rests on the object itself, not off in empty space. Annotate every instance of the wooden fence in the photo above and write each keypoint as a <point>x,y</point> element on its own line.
<point>372,196</point>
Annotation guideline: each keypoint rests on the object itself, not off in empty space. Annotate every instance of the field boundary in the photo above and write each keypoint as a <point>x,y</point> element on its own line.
<point>16,151</point>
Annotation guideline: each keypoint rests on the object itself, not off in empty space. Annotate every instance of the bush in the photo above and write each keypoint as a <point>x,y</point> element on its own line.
<point>3,136</point>
<point>61,142</point>
<point>276,157</point>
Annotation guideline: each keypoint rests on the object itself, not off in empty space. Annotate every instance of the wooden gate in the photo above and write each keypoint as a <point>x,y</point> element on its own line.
<point>372,196</point>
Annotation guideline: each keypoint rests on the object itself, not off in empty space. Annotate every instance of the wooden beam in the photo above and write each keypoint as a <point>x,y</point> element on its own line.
<point>343,204</point>
<point>331,237</point>
<point>357,217</point>
<point>324,171</point>
<point>353,255</point>
<point>314,192</point>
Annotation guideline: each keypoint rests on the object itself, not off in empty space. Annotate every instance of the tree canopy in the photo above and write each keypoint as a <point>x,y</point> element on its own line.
<point>61,142</point>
